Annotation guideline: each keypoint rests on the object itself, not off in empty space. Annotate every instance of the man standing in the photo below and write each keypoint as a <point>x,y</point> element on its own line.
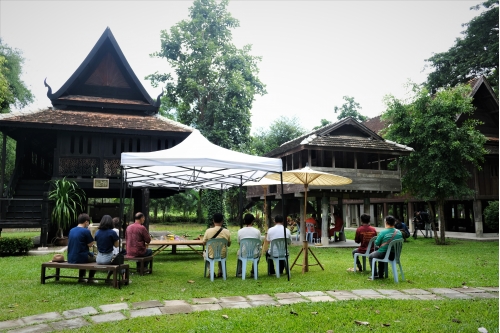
<point>218,231</point>
<point>137,237</point>
<point>427,223</point>
<point>248,232</point>
<point>274,233</point>
<point>363,235</point>
<point>79,241</point>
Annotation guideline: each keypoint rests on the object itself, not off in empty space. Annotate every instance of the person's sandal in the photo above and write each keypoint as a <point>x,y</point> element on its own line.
<point>350,269</point>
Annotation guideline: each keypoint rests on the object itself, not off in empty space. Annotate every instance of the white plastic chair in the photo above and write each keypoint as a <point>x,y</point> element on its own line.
<point>249,251</point>
<point>311,233</point>
<point>216,247</point>
<point>364,255</point>
<point>276,253</point>
<point>395,246</point>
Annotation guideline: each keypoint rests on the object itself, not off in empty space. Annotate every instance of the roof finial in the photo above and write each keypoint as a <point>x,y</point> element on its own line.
<point>49,91</point>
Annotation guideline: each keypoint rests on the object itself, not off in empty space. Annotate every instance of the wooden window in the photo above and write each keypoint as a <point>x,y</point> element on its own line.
<point>72,145</point>
<point>138,145</point>
<point>114,146</point>
<point>80,145</point>
<point>89,146</point>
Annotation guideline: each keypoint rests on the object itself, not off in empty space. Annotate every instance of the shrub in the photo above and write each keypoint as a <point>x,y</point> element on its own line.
<point>13,246</point>
<point>491,215</point>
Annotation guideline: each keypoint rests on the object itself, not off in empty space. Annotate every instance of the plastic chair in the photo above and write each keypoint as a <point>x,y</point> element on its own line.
<point>249,251</point>
<point>311,233</point>
<point>364,255</point>
<point>339,227</point>
<point>277,253</point>
<point>216,246</point>
<point>395,246</point>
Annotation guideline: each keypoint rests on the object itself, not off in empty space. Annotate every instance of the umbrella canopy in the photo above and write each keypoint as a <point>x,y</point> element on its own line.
<point>308,176</point>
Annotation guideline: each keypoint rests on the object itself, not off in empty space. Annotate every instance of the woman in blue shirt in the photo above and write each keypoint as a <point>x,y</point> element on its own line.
<point>106,238</point>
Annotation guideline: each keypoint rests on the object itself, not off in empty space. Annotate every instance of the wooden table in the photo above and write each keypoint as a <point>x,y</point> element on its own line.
<point>163,244</point>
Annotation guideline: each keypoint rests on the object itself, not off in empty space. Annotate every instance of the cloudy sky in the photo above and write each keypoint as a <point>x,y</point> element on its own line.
<point>313,52</point>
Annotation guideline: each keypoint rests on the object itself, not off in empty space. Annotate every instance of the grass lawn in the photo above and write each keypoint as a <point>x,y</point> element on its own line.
<point>425,265</point>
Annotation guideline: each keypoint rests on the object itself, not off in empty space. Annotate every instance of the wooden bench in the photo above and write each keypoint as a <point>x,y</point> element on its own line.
<point>115,269</point>
<point>141,263</point>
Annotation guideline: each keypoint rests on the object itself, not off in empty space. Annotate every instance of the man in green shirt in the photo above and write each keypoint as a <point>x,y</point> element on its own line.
<point>383,239</point>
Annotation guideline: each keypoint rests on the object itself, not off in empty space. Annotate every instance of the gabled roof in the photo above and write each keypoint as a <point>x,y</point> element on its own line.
<point>347,133</point>
<point>104,81</point>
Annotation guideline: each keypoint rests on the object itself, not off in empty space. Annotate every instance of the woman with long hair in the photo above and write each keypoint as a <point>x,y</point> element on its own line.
<point>106,238</point>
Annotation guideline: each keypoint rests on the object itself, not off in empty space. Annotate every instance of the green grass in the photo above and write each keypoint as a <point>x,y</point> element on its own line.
<point>425,264</point>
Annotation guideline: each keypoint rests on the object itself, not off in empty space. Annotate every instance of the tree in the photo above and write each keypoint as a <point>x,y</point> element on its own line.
<point>324,122</point>
<point>215,82</point>
<point>281,130</point>
<point>473,55</point>
<point>13,91</point>
<point>350,109</point>
<point>437,168</point>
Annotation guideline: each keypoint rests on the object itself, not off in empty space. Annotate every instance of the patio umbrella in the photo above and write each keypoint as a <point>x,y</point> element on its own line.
<point>308,176</point>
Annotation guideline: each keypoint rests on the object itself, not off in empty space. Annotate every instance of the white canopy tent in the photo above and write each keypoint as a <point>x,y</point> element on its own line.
<point>195,163</point>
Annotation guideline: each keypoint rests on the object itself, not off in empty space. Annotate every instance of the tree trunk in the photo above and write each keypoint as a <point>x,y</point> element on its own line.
<point>443,224</point>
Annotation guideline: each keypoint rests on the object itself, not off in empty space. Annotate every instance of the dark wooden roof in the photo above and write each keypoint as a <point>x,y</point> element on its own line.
<point>346,134</point>
<point>104,81</point>
<point>81,120</point>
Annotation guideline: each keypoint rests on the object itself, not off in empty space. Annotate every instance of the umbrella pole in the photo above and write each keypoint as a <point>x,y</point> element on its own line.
<point>305,245</point>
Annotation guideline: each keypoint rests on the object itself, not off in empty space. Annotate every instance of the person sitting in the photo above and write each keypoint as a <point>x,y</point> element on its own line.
<point>116,228</point>
<point>337,227</point>
<point>79,241</point>
<point>106,239</point>
<point>364,234</point>
<point>217,231</point>
<point>274,233</point>
<point>401,226</point>
<point>138,238</point>
<point>247,232</point>
<point>383,239</point>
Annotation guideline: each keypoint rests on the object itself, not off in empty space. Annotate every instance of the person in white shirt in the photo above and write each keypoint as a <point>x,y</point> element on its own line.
<point>278,231</point>
<point>248,231</point>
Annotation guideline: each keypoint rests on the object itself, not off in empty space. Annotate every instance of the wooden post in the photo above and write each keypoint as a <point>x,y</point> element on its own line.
<point>325,201</point>
<point>145,206</point>
<point>4,156</point>
<point>45,219</point>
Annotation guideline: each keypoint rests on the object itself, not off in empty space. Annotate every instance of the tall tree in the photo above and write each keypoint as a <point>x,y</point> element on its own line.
<point>281,130</point>
<point>349,109</point>
<point>324,122</point>
<point>473,55</point>
<point>437,168</point>
<point>13,91</point>
<point>215,82</point>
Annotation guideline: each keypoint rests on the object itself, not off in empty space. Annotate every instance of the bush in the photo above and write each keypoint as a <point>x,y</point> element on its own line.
<point>174,219</point>
<point>491,215</point>
<point>14,246</point>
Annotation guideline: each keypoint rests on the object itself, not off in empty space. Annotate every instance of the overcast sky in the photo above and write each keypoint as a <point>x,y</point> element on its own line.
<point>313,52</point>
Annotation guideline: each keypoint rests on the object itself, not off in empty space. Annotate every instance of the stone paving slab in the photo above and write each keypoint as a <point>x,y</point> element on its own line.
<point>11,323</point>
<point>415,291</point>
<point>312,293</point>
<point>389,292</point>
<point>429,297</point>
<point>443,291</point>
<point>42,328</point>
<point>235,305</point>
<point>173,309</point>
<point>206,307</point>
<point>292,300</point>
<point>261,297</point>
<point>468,290</point>
<point>145,312</point>
<point>286,295</point>
<point>147,304</point>
<point>343,295</point>
<point>69,324</point>
<point>456,296</point>
<point>233,299</point>
<point>263,303</point>
<point>206,300</point>
<point>114,307</point>
<point>175,303</point>
<point>363,292</point>
<point>36,319</point>
<point>484,295</point>
<point>80,312</point>
<point>108,317</point>
<point>400,296</point>
<point>323,298</point>
<point>493,289</point>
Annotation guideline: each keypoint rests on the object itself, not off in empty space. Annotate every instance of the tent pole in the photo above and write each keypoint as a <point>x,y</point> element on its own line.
<point>241,203</point>
<point>285,222</point>
<point>122,199</point>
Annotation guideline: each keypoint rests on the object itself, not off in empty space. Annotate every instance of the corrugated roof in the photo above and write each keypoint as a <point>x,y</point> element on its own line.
<point>96,120</point>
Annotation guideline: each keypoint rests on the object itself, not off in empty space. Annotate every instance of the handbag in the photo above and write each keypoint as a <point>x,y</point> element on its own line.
<point>117,259</point>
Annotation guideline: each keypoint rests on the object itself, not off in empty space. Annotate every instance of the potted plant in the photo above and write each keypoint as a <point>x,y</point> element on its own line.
<point>68,198</point>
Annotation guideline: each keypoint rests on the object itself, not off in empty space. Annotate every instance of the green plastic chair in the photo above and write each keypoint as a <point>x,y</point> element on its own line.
<point>216,245</point>
<point>364,255</point>
<point>395,246</point>
<point>249,251</point>
<point>277,252</point>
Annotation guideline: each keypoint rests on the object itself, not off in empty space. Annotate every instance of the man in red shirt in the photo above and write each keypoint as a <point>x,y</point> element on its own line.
<point>138,238</point>
<point>363,235</point>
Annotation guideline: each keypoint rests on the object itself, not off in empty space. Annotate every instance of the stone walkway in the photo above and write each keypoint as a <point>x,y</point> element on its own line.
<point>76,318</point>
